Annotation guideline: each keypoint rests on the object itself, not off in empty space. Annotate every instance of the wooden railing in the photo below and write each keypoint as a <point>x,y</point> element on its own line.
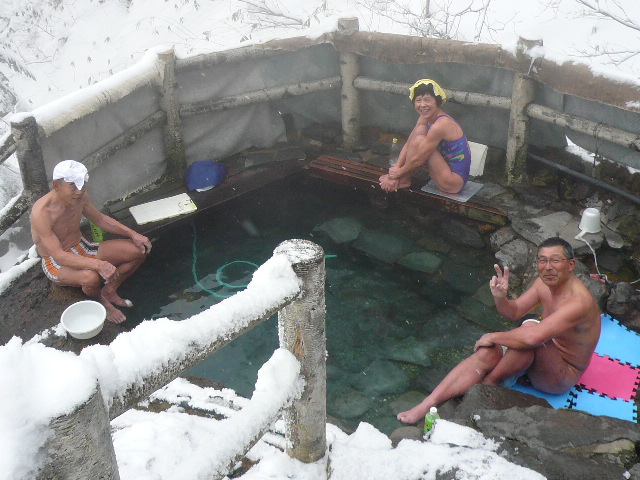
<point>351,45</point>
<point>292,284</point>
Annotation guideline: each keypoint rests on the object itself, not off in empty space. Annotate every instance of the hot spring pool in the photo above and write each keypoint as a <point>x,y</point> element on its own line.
<point>392,331</point>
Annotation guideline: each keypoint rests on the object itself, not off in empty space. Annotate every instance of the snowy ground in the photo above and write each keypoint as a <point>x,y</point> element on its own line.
<point>49,48</point>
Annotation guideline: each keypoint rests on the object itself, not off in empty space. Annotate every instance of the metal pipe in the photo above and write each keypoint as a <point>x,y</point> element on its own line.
<point>586,178</point>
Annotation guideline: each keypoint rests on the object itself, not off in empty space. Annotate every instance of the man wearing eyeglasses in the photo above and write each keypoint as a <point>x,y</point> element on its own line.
<point>553,352</point>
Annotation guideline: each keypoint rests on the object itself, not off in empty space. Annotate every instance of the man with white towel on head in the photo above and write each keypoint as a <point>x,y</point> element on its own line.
<point>71,260</point>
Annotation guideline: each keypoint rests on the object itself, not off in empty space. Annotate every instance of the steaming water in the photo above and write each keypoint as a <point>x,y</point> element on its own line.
<point>392,332</point>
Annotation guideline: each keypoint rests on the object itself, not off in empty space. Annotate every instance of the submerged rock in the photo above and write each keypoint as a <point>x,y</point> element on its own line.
<point>460,233</point>
<point>381,378</point>
<point>383,246</point>
<point>439,293</point>
<point>349,403</point>
<point>486,317</point>
<point>410,350</point>
<point>421,261</point>
<point>465,279</point>
<point>406,401</point>
<point>435,244</point>
<point>341,229</point>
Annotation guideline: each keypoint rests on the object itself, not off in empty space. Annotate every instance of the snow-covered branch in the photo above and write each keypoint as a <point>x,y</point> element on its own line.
<point>595,7</point>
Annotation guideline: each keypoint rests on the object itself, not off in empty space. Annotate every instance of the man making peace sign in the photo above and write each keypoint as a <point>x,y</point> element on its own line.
<point>554,352</point>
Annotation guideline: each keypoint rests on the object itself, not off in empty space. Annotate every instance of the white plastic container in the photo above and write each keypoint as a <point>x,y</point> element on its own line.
<point>590,222</point>
<point>84,319</point>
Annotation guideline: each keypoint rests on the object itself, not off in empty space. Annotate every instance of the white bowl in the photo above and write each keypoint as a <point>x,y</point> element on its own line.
<point>84,319</point>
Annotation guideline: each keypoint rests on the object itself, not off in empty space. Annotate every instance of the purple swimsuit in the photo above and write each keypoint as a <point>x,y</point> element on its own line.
<point>456,153</point>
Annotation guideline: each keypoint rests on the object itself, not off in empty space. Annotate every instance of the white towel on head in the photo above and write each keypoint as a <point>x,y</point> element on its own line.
<point>71,171</point>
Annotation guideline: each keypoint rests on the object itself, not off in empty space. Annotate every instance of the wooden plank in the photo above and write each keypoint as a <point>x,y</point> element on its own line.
<point>365,176</point>
<point>235,185</point>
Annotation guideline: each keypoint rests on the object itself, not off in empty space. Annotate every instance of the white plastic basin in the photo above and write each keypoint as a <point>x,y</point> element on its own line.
<point>84,319</point>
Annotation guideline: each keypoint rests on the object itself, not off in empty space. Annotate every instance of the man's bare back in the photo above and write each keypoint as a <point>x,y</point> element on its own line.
<point>70,260</point>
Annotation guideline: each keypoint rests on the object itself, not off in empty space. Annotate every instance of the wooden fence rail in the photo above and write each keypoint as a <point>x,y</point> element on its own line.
<point>80,446</point>
<point>351,45</point>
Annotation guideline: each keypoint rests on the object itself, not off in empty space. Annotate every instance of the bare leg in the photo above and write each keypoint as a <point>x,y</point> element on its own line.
<point>124,271</point>
<point>440,172</point>
<point>126,257</point>
<point>550,372</point>
<point>514,362</point>
<point>467,373</point>
<point>90,281</point>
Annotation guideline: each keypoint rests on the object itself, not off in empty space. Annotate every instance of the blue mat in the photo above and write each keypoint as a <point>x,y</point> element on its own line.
<point>617,341</point>
<point>601,405</point>
<point>622,347</point>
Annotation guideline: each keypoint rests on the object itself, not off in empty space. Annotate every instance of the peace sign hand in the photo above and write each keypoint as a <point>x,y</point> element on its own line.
<point>500,282</point>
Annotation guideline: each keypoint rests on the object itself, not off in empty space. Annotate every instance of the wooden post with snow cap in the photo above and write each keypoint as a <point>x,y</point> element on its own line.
<point>521,97</point>
<point>173,142</point>
<point>301,327</point>
<point>30,159</point>
<point>81,445</point>
<point>350,99</point>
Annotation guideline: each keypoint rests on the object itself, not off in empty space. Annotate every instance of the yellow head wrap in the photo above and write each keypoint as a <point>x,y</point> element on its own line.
<point>437,89</point>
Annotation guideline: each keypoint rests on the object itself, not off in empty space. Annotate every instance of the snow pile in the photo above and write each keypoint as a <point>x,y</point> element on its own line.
<point>45,383</point>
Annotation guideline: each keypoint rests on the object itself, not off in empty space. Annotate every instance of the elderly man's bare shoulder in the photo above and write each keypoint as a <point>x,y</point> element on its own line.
<point>578,287</point>
<point>42,208</point>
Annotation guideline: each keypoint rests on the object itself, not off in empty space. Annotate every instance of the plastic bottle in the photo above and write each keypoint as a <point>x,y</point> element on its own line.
<point>394,152</point>
<point>430,419</point>
<point>97,234</point>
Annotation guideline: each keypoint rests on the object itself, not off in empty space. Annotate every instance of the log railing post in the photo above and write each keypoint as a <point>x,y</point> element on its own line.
<point>30,159</point>
<point>173,142</point>
<point>519,128</point>
<point>81,446</point>
<point>301,327</point>
<point>350,101</point>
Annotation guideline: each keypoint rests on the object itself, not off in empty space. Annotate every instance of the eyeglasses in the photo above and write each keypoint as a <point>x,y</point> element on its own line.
<point>554,261</point>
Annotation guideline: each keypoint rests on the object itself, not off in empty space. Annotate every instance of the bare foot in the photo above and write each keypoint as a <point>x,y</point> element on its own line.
<point>414,415</point>
<point>406,183</point>
<point>113,314</point>
<point>112,297</point>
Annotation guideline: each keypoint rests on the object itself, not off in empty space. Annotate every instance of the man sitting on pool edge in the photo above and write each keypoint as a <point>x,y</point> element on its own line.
<point>67,257</point>
<point>553,352</point>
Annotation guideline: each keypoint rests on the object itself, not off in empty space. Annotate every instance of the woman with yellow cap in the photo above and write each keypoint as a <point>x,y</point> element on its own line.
<point>436,141</point>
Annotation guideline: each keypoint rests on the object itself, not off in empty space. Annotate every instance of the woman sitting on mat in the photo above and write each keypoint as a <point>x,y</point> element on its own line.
<point>437,141</point>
